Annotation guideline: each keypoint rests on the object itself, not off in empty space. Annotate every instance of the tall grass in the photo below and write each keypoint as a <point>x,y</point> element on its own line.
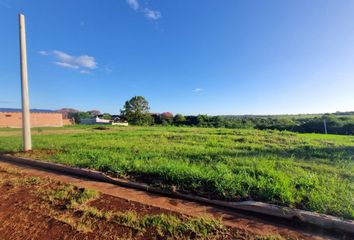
<point>309,171</point>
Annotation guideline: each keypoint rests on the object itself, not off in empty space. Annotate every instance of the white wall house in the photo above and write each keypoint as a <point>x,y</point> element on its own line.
<point>98,120</point>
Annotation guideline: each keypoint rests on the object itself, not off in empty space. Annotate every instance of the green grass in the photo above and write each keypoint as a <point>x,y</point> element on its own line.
<point>308,171</point>
<point>170,225</point>
<point>71,196</point>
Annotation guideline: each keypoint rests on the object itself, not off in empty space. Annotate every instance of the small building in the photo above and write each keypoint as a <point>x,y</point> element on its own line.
<point>12,118</point>
<point>98,120</point>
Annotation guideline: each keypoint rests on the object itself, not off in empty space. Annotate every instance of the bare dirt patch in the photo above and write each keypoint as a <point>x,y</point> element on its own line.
<point>42,208</point>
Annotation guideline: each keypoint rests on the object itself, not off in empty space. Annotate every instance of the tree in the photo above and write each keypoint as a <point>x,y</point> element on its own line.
<point>202,120</point>
<point>136,111</point>
<point>80,115</point>
<point>179,119</point>
<point>94,113</point>
<point>107,116</point>
<point>166,118</point>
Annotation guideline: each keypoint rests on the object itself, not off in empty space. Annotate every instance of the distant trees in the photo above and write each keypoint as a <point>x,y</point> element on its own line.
<point>179,119</point>
<point>84,115</point>
<point>335,125</point>
<point>94,113</point>
<point>166,118</point>
<point>136,111</point>
<point>107,116</point>
<point>80,115</point>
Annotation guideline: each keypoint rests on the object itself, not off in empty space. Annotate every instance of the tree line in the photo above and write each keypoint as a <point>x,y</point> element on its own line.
<point>136,112</point>
<point>334,124</point>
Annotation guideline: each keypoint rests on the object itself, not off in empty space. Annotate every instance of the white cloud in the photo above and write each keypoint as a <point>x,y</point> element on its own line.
<point>134,4</point>
<point>198,90</point>
<point>82,63</point>
<point>86,61</point>
<point>151,14</point>
<point>66,65</point>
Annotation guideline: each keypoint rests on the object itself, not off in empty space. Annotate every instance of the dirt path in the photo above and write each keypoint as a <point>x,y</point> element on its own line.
<point>252,224</point>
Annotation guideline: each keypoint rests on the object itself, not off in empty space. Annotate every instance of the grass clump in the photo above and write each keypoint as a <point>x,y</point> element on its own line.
<point>70,196</point>
<point>269,238</point>
<point>14,178</point>
<point>170,225</point>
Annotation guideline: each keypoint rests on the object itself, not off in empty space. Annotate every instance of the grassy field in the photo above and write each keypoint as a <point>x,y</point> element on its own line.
<point>308,171</point>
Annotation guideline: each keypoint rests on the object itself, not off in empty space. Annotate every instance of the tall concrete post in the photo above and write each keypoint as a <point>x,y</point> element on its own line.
<point>325,125</point>
<point>26,125</point>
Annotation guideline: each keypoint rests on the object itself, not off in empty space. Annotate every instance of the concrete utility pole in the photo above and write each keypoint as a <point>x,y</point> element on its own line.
<point>325,125</point>
<point>26,125</point>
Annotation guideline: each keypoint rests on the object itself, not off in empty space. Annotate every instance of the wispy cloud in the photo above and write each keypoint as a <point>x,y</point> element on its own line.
<point>198,90</point>
<point>66,65</point>
<point>83,63</point>
<point>148,13</point>
<point>152,14</point>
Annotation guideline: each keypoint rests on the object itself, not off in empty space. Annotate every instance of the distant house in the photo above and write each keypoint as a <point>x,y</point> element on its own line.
<point>97,120</point>
<point>12,117</point>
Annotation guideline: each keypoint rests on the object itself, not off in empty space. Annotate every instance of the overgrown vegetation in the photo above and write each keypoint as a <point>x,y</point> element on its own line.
<point>308,171</point>
<point>335,124</point>
<point>338,123</point>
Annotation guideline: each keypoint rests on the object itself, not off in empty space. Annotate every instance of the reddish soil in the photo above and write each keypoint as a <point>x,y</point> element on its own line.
<point>23,216</point>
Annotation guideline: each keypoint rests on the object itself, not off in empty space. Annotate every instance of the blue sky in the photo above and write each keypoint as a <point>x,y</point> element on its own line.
<point>184,56</point>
